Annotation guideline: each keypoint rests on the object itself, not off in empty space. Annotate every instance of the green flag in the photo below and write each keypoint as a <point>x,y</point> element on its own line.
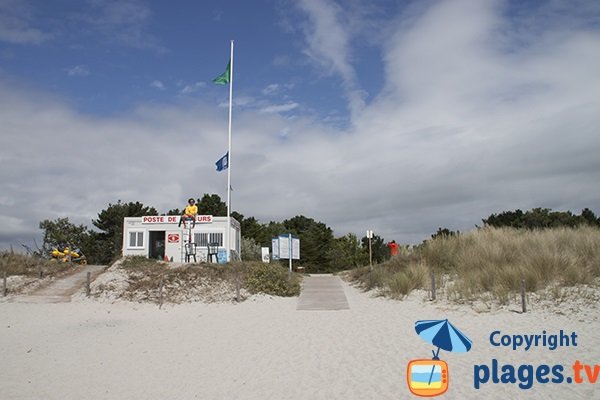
<point>223,79</point>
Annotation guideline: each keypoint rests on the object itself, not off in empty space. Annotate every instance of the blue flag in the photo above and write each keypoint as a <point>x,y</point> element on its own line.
<point>223,162</point>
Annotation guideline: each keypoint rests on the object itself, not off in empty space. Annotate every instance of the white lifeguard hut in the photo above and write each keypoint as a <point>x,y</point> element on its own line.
<point>162,237</point>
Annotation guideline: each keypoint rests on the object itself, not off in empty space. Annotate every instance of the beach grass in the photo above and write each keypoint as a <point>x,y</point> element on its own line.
<point>29,266</point>
<point>491,262</point>
<point>211,282</point>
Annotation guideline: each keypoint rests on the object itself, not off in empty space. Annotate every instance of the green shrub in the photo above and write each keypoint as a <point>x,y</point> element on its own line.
<point>272,279</point>
<point>251,251</point>
<point>144,277</point>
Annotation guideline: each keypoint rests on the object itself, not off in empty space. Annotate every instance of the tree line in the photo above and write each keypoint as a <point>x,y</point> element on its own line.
<point>536,218</point>
<point>541,218</point>
<point>320,250</point>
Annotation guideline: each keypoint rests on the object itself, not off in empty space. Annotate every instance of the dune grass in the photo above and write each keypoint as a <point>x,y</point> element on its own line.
<point>395,278</point>
<point>491,262</point>
<point>146,274</point>
<point>21,264</point>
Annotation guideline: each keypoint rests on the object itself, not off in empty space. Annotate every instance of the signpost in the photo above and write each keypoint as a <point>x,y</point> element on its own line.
<point>370,236</point>
<point>286,246</point>
<point>275,248</point>
<point>265,254</point>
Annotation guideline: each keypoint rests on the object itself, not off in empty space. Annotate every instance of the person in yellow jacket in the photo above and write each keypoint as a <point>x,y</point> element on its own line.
<point>191,210</point>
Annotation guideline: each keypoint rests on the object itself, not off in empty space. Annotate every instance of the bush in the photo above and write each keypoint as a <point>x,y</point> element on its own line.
<point>144,276</point>
<point>251,251</point>
<point>271,279</point>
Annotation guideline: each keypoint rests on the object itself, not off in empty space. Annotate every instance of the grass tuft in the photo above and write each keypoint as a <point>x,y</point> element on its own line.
<point>211,282</point>
<point>21,264</point>
<point>492,263</point>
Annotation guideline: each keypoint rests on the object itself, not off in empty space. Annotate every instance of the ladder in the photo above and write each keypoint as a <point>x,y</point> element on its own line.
<point>188,250</point>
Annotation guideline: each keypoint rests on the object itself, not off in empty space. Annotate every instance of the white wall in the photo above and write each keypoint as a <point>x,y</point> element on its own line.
<point>175,236</point>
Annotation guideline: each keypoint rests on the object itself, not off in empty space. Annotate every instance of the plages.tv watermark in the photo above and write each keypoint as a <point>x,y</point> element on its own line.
<point>526,376</point>
<point>431,377</point>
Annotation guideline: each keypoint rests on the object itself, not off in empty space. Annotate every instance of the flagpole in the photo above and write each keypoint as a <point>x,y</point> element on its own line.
<point>228,231</point>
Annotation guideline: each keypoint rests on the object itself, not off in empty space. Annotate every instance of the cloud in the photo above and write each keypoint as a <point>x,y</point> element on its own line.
<point>78,70</point>
<point>279,108</point>
<point>493,123</point>
<point>328,38</point>
<point>473,119</point>
<point>16,24</point>
<point>121,21</point>
<point>276,88</point>
<point>158,85</point>
<point>70,165</point>
<point>281,61</point>
<point>241,101</point>
<point>270,89</point>
<point>217,16</point>
<point>194,87</point>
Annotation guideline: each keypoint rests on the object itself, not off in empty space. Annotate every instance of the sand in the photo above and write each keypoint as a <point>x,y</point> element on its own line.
<point>264,348</point>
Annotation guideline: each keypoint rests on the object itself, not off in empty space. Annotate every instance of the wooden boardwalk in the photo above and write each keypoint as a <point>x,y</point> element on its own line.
<point>322,292</point>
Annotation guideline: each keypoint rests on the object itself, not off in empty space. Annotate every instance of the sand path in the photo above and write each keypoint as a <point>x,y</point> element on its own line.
<point>60,290</point>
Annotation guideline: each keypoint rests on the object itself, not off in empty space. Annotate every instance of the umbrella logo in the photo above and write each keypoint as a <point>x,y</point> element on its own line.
<point>428,378</point>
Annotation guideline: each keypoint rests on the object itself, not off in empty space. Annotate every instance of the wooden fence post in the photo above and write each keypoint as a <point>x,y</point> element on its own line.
<point>237,287</point>
<point>160,293</point>
<point>40,272</point>
<point>523,300</point>
<point>4,287</point>
<point>88,289</point>
<point>433,294</point>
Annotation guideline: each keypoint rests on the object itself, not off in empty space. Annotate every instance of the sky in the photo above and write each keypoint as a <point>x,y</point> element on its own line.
<point>395,116</point>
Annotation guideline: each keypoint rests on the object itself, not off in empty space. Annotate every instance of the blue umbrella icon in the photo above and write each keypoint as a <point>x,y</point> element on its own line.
<point>443,335</point>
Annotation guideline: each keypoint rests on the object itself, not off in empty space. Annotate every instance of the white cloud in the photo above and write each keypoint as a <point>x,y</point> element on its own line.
<point>16,24</point>
<point>271,89</point>
<point>157,85</point>
<point>78,70</point>
<point>471,121</point>
<point>281,61</point>
<point>279,108</point>
<point>194,87</point>
<point>122,21</point>
<point>240,101</point>
<point>328,37</point>
<point>47,160</point>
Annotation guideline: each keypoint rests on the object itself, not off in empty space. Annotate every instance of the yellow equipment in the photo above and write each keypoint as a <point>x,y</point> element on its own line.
<point>67,255</point>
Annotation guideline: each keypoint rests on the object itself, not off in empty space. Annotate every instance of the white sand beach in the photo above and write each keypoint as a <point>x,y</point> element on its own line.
<point>264,348</point>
